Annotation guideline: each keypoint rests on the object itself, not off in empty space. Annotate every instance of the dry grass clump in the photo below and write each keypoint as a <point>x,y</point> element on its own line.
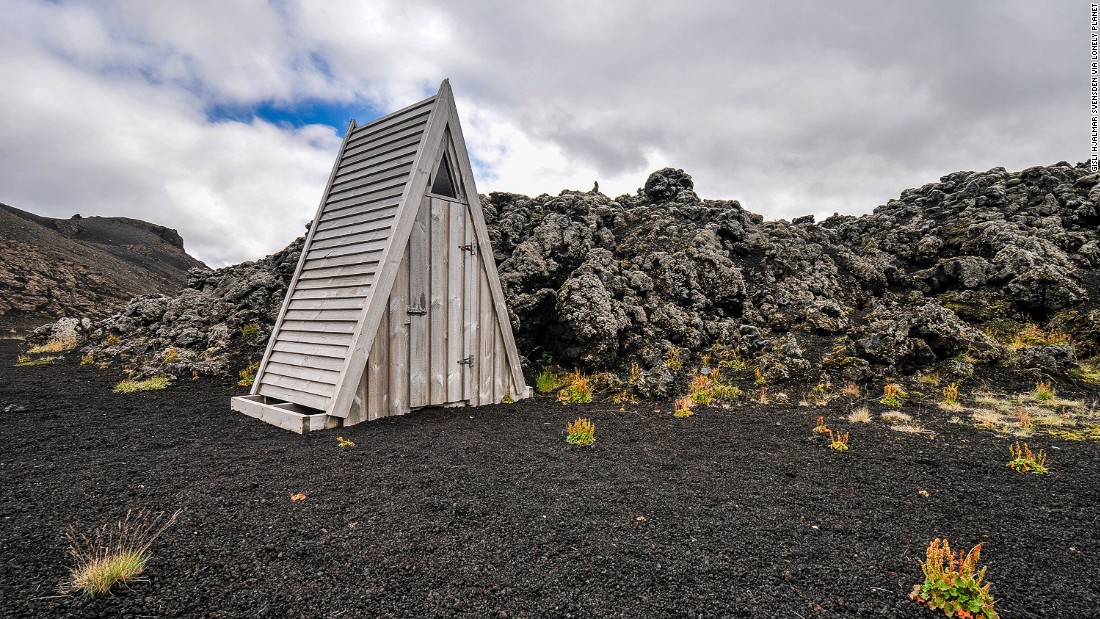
<point>896,417</point>
<point>860,415</point>
<point>910,427</point>
<point>114,553</point>
<point>56,345</point>
<point>988,418</point>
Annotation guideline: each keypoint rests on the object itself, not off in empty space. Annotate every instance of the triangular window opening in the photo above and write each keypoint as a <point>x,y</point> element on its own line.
<point>444,185</point>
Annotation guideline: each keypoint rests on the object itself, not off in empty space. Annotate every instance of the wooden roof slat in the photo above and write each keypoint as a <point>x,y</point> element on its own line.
<point>345,292</point>
<point>400,125</point>
<point>356,238</point>
<point>392,117</point>
<point>320,325</point>
<point>319,350</point>
<point>352,217</point>
<point>401,164</point>
<point>313,361</point>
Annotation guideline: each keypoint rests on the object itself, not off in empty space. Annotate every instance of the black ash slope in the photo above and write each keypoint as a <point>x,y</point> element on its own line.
<point>487,512</point>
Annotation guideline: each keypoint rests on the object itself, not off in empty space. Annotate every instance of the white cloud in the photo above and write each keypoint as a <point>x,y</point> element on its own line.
<point>792,108</point>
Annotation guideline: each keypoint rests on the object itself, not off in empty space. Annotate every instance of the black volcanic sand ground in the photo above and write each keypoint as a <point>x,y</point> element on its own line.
<point>488,513</point>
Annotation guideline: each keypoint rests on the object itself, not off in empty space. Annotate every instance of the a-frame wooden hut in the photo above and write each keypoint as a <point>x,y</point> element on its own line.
<point>395,304</point>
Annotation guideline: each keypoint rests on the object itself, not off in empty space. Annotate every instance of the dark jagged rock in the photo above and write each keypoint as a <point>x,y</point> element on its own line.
<point>941,277</point>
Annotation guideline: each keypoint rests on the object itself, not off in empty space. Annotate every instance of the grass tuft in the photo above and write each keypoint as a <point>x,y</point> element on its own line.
<point>860,415</point>
<point>150,384</point>
<point>114,553</point>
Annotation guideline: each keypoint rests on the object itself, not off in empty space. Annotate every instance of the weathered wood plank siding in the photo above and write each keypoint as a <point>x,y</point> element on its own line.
<point>335,277</point>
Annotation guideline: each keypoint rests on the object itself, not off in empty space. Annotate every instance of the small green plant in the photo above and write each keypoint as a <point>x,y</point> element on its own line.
<point>250,331</point>
<point>758,377</point>
<point>248,374</point>
<point>114,553</point>
<point>1044,391</point>
<point>672,359</point>
<point>953,583</point>
<point>576,390</point>
<point>683,407</point>
<point>951,396</point>
<point>838,441</point>
<point>580,432</point>
<point>635,373</point>
<point>700,391</point>
<point>727,393</point>
<point>931,378</point>
<point>1026,461</point>
<point>149,384</point>
<point>88,359</point>
<point>821,428</point>
<point>547,381</point>
<point>113,339</point>
<point>892,395</point>
<point>508,399</point>
<point>171,354</point>
<point>344,443</point>
<point>23,361</point>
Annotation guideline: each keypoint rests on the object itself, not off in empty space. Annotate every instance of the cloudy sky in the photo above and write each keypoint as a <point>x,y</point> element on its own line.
<point>222,118</point>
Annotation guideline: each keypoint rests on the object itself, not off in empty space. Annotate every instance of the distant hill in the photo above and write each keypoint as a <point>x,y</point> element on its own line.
<point>84,266</point>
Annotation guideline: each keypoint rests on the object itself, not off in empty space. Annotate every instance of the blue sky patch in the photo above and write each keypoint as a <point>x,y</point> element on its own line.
<point>314,112</point>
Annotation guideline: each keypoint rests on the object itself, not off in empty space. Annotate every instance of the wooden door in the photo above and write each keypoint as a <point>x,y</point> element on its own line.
<point>439,260</point>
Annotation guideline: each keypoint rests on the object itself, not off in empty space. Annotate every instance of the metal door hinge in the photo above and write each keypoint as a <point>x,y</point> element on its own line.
<point>416,311</point>
<point>467,361</point>
<point>472,248</point>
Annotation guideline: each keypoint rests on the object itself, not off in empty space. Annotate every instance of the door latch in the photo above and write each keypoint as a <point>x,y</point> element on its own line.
<point>472,248</point>
<point>467,361</point>
<point>416,311</point>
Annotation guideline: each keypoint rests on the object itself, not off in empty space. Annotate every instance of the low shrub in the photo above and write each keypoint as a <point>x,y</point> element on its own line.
<point>149,384</point>
<point>683,407</point>
<point>344,442</point>
<point>580,432</point>
<point>250,331</point>
<point>953,583</point>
